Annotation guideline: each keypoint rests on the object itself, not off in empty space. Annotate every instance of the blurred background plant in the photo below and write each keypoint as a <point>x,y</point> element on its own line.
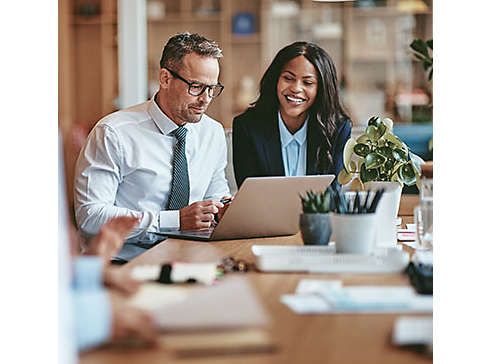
<point>423,51</point>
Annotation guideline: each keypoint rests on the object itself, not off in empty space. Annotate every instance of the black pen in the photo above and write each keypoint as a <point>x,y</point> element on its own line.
<point>223,201</point>
<point>356,204</point>
<point>376,200</point>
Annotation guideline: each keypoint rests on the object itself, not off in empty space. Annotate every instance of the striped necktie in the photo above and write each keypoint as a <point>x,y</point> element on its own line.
<point>179,194</point>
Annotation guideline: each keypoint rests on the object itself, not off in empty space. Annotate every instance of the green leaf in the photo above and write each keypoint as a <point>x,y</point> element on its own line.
<point>389,164</point>
<point>361,149</point>
<point>417,162</point>
<point>374,160</point>
<point>385,151</point>
<point>429,43</point>
<point>419,46</point>
<point>362,139</point>
<point>374,133</point>
<point>399,155</point>
<point>388,123</point>
<point>374,120</point>
<point>407,174</point>
<point>430,76</point>
<point>360,162</point>
<point>394,140</point>
<point>348,152</point>
<point>344,177</point>
<point>368,174</point>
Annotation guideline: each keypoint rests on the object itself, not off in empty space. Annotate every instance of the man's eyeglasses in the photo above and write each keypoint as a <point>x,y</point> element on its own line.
<point>197,88</point>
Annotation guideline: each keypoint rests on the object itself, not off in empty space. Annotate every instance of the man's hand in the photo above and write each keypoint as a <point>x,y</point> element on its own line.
<point>111,237</point>
<point>131,322</point>
<point>222,210</point>
<point>199,215</point>
<point>120,279</point>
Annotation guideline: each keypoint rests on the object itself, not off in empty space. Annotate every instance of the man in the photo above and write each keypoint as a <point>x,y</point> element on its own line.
<point>162,161</point>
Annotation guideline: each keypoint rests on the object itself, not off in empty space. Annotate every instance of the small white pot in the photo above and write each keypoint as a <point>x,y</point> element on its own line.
<point>354,233</point>
<point>386,212</point>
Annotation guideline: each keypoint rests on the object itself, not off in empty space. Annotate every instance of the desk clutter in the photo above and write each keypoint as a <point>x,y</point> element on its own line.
<point>331,297</point>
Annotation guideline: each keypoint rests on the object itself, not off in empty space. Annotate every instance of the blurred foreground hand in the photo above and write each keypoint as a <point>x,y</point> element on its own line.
<point>131,323</point>
<point>110,239</point>
<point>121,280</point>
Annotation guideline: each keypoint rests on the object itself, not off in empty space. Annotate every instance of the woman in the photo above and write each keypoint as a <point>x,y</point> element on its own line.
<point>297,126</point>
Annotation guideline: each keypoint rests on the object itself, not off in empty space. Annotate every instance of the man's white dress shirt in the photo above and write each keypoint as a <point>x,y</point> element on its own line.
<point>125,168</point>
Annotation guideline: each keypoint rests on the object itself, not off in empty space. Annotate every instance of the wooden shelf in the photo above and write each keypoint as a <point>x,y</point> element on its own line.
<point>389,12</point>
<point>94,20</point>
<point>246,39</point>
<point>180,18</point>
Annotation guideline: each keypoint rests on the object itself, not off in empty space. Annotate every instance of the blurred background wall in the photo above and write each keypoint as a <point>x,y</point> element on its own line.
<point>368,40</point>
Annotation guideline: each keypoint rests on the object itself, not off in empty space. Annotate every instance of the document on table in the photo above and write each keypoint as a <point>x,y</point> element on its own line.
<point>413,331</point>
<point>231,303</point>
<point>333,298</point>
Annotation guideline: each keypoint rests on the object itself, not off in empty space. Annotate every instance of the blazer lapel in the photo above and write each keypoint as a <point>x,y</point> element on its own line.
<point>313,141</point>
<point>272,146</point>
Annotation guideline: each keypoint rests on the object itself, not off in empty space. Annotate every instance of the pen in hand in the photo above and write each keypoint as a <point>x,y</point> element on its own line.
<point>215,216</point>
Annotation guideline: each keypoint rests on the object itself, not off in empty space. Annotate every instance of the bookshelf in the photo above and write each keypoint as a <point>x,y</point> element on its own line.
<point>370,47</point>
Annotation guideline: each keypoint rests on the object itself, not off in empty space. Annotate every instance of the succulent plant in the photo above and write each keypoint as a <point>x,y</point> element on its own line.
<point>378,155</point>
<point>316,202</point>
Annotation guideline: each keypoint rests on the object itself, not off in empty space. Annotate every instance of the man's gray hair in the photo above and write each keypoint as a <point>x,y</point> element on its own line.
<point>181,44</point>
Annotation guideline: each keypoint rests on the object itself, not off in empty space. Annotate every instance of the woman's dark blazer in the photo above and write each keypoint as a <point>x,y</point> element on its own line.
<point>257,146</point>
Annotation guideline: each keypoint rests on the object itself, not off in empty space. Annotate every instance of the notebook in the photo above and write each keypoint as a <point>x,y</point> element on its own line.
<point>263,206</point>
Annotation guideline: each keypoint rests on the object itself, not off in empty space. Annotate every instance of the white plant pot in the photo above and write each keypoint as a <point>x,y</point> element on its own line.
<point>387,210</point>
<point>354,233</point>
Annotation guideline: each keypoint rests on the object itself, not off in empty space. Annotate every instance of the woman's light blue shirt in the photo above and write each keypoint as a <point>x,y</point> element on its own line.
<point>293,149</point>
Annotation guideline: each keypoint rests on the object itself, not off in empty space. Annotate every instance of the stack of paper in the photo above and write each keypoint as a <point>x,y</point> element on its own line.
<point>231,303</point>
<point>199,320</point>
<point>333,298</point>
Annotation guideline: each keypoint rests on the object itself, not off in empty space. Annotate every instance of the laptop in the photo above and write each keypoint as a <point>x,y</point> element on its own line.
<point>263,206</point>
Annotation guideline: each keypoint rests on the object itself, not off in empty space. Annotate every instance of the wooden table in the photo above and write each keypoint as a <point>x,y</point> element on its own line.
<point>350,338</point>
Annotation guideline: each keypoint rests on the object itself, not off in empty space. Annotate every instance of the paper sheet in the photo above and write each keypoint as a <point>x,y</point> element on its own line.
<point>331,297</point>
<point>413,330</point>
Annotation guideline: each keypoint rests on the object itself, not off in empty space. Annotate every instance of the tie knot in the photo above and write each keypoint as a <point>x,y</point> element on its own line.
<point>180,133</point>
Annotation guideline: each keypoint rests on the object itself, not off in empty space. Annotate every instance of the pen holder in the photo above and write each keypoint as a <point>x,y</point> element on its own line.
<point>354,233</point>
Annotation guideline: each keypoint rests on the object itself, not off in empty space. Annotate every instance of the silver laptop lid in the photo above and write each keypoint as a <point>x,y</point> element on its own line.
<point>267,206</point>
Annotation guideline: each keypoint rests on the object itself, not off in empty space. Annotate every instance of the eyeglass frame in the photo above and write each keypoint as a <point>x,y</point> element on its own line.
<point>207,87</point>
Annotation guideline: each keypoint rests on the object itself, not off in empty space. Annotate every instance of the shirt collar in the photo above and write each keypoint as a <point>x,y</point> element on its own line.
<point>163,122</point>
<point>286,137</point>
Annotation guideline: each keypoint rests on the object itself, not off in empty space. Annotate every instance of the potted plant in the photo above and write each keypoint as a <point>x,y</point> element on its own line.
<point>378,155</point>
<point>379,159</point>
<point>315,226</point>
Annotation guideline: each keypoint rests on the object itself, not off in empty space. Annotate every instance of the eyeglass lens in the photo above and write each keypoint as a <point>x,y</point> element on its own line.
<point>198,89</point>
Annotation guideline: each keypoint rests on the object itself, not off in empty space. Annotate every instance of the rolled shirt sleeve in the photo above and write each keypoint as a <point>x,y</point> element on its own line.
<point>97,178</point>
